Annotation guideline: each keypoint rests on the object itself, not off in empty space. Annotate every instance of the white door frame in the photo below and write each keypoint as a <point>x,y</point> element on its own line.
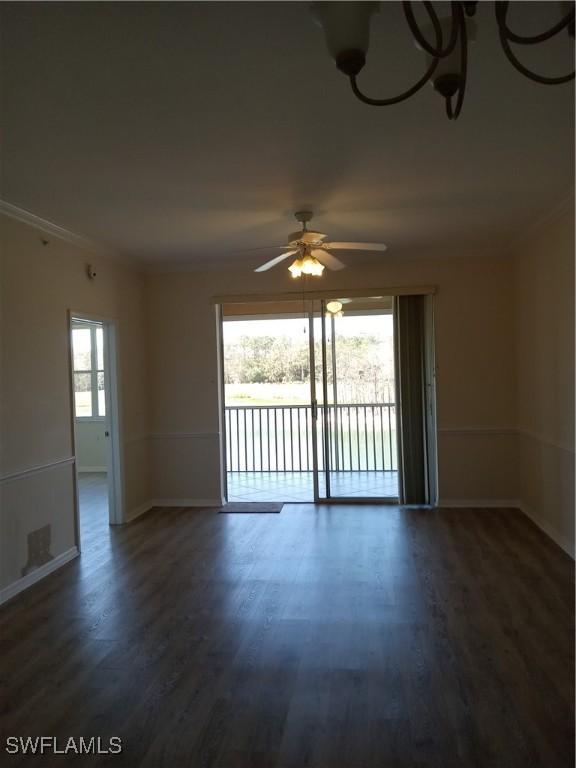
<point>113,424</point>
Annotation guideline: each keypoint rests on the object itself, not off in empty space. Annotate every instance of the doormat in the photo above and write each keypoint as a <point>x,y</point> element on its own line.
<point>248,507</point>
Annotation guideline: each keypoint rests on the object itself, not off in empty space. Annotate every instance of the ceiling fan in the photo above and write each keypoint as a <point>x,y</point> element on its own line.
<point>313,254</point>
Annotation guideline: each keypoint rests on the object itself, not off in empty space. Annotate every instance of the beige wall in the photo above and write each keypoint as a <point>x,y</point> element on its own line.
<point>475,377</point>
<point>544,287</point>
<point>38,284</point>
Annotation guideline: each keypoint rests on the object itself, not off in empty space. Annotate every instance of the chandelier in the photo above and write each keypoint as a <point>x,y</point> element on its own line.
<point>444,40</point>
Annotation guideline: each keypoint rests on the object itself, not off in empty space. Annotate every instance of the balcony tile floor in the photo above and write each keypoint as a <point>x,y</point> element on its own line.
<point>299,487</point>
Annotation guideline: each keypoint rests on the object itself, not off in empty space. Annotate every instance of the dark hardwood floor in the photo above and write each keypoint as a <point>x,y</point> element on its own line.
<point>333,637</point>
<point>93,498</point>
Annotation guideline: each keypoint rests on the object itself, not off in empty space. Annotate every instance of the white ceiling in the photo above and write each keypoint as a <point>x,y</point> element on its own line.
<point>191,131</point>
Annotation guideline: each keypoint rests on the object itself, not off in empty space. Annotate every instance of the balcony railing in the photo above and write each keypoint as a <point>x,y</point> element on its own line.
<point>278,438</point>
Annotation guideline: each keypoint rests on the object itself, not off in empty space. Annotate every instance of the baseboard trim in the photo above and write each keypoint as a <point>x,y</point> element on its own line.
<point>140,510</point>
<point>187,503</point>
<point>480,503</point>
<point>40,573</point>
<point>172,503</point>
<point>562,541</point>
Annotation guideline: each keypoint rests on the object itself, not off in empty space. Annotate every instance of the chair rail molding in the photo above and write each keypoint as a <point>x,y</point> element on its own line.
<point>16,475</point>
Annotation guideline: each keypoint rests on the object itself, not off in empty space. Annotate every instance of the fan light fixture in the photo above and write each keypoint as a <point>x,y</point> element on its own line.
<point>334,307</point>
<point>445,42</point>
<point>307,265</point>
<point>312,251</point>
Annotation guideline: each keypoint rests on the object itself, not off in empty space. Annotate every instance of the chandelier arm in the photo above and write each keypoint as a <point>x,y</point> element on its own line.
<point>532,39</point>
<point>417,86</point>
<point>501,10</point>
<point>395,99</point>
<point>456,9</point>
<point>419,37</point>
<point>454,113</point>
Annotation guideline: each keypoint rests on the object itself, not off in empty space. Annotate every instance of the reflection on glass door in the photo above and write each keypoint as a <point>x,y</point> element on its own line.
<point>353,355</point>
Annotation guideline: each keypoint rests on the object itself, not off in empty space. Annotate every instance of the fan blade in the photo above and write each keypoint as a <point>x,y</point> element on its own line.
<point>357,246</point>
<point>273,262</point>
<point>260,248</point>
<point>326,258</point>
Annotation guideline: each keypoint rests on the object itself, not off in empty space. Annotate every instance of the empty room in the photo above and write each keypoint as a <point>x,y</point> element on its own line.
<point>287,341</point>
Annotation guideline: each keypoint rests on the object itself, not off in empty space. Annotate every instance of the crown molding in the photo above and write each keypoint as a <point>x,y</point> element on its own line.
<point>548,217</point>
<point>50,228</point>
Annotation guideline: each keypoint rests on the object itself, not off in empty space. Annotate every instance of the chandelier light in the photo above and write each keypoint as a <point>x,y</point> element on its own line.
<point>444,41</point>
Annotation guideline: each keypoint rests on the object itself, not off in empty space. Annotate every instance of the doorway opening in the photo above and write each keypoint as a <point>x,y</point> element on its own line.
<point>309,401</point>
<point>95,426</point>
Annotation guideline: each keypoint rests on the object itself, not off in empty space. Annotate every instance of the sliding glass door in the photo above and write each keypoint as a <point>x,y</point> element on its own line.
<point>352,351</point>
<point>330,399</point>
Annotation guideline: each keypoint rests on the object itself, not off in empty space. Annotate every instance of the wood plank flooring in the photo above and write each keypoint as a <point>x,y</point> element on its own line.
<point>93,500</point>
<point>330,637</point>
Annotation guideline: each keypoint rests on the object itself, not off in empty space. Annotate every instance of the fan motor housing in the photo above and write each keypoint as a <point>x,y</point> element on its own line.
<point>305,236</point>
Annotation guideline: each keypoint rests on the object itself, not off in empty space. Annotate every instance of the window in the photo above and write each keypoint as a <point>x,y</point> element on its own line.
<point>88,352</point>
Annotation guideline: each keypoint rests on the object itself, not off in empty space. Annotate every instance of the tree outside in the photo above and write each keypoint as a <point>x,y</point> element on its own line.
<point>273,366</point>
